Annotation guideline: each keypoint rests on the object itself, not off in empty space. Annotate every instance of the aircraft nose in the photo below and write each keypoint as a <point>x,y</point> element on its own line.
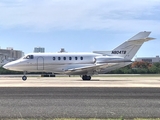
<point>14,65</point>
<point>10,66</point>
<point>6,66</point>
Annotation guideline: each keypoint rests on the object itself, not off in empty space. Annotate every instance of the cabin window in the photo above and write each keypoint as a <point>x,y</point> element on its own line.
<point>81,58</point>
<point>54,58</point>
<point>76,58</point>
<point>70,58</point>
<point>59,58</point>
<point>64,58</point>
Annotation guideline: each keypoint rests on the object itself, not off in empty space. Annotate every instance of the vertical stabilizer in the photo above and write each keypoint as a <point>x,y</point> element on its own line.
<point>129,48</point>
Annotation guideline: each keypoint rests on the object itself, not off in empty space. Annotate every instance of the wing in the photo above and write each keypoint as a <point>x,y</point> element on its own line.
<point>88,69</point>
<point>102,63</point>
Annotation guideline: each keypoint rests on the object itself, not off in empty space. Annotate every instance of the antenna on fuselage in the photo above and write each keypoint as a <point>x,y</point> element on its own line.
<point>62,50</point>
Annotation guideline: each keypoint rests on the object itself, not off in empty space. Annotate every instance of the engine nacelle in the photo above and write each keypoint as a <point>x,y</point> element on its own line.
<point>110,59</point>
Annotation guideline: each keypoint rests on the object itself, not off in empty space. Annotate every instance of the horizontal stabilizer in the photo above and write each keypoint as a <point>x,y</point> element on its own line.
<point>140,35</point>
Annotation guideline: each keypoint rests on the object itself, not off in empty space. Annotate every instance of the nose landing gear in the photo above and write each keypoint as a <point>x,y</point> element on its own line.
<point>24,78</point>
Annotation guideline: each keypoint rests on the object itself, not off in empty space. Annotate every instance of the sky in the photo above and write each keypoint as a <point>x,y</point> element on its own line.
<point>78,25</point>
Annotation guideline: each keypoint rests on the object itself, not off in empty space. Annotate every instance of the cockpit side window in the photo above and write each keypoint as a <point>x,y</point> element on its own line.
<point>29,57</point>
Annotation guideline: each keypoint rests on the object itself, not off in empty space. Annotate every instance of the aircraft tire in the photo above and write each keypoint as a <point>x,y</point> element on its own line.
<point>24,78</point>
<point>85,77</point>
<point>52,75</point>
<point>88,77</point>
<point>46,75</point>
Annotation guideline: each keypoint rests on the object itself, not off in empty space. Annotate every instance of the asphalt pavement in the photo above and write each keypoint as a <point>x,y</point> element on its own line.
<point>79,102</point>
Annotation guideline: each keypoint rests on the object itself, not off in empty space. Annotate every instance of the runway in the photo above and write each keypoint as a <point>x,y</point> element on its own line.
<point>64,97</point>
<point>48,102</point>
<point>97,81</point>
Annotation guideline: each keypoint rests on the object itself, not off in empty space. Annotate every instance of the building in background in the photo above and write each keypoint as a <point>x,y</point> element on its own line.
<point>9,54</point>
<point>39,50</point>
<point>149,59</point>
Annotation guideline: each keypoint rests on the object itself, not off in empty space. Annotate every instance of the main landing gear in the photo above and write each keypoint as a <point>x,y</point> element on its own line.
<point>86,77</point>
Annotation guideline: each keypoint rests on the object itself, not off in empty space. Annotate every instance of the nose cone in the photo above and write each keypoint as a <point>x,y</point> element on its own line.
<point>10,66</point>
<point>5,66</point>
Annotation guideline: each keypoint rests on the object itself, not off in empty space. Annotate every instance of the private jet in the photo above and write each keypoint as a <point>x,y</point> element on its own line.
<point>83,64</point>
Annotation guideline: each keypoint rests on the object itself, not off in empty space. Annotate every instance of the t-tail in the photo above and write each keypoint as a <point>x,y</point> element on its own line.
<point>129,48</point>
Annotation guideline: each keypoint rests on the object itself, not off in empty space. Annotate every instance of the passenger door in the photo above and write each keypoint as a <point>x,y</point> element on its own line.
<point>40,63</point>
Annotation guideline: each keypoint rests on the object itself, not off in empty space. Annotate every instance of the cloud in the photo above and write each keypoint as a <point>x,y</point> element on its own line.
<point>80,14</point>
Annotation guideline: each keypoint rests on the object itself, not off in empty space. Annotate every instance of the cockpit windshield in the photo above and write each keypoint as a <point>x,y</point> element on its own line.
<point>29,57</point>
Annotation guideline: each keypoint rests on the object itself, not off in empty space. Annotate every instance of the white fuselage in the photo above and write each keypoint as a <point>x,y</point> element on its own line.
<point>60,62</point>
